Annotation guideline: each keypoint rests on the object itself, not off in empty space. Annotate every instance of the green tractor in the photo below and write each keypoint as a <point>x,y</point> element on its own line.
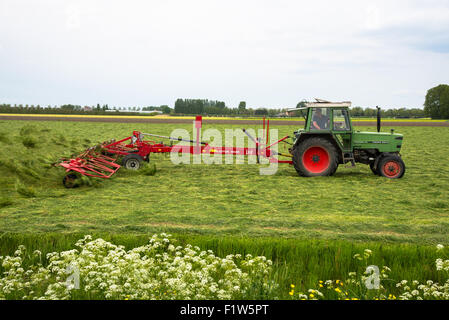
<point>328,139</point>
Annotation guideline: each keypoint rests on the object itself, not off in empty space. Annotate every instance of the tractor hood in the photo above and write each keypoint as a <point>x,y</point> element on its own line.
<point>382,141</point>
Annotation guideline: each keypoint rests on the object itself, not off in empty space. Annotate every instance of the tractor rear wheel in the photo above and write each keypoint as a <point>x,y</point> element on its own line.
<point>391,166</point>
<point>315,157</point>
<point>132,161</point>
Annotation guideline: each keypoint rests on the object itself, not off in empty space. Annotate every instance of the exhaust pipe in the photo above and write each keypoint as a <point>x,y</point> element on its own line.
<point>378,118</point>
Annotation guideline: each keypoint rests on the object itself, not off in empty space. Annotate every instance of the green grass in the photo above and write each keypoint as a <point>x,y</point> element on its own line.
<point>221,199</point>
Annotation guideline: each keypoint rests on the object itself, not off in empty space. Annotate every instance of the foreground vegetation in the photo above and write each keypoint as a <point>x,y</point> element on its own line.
<point>157,270</point>
<point>199,267</point>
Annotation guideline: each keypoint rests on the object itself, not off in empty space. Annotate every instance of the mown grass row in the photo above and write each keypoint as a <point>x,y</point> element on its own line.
<point>299,262</point>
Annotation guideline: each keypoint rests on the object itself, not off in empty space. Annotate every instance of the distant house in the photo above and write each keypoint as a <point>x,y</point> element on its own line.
<point>86,108</point>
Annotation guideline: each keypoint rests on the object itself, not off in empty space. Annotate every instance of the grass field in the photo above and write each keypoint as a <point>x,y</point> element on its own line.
<point>229,207</point>
<point>220,199</point>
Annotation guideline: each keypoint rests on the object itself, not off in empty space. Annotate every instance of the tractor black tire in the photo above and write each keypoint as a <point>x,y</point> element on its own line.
<point>374,165</point>
<point>132,161</point>
<point>71,181</point>
<point>315,157</point>
<point>391,166</point>
<point>374,169</point>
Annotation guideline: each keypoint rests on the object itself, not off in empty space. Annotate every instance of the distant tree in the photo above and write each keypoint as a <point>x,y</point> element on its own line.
<point>242,106</point>
<point>165,109</point>
<point>180,106</point>
<point>301,104</point>
<point>370,112</point>
<point>67,107</point>
<point>273,112</point>
<point>417,113</point>
<point>436,104</point>
<point>200,106</point>
<point>261,112</point>
<point>221,104</point>
<point>357,112</point>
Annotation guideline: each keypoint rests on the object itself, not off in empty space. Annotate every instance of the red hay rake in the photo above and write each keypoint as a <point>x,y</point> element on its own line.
<point>101,161</point>
<point>89,163</point>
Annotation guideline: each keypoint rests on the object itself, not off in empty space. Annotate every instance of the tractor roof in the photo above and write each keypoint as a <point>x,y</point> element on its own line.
<point>320,103</point>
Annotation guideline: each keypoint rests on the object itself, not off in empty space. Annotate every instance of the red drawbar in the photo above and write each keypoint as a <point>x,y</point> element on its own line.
<point>391,169</point>
<point>316,159</point>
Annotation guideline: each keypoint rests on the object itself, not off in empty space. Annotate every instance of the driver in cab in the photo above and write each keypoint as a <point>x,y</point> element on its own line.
<point>319,121</point>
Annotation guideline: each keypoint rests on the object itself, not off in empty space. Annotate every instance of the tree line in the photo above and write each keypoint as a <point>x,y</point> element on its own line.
<point>195,107</point>
<point>77,109</point>
<point>436,106</point>
<point>217,108</point>
<point>388,113</point>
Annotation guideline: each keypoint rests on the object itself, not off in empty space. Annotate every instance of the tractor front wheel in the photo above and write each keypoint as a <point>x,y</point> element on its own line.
<point>315,157</point>
<point>373,168</point>
<point>391,167</point>
<point>132,161</point>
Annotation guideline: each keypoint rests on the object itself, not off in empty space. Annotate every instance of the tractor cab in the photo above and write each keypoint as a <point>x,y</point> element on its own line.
<point>327,118</point>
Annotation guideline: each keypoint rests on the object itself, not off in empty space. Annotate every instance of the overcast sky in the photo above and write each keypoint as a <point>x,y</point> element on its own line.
<point>268,53</point>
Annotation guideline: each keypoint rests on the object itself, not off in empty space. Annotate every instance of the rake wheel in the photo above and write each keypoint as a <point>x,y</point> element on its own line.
<point>71,180</point>
<point>132,161</point>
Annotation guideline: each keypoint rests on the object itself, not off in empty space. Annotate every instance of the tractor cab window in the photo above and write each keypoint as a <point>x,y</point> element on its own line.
<point>320,119</point>
<point>340,119</point>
